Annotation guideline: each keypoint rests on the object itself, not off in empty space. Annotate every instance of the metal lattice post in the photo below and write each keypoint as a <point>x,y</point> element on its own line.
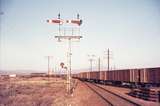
<point>69,38</point>
<point>69,69</point>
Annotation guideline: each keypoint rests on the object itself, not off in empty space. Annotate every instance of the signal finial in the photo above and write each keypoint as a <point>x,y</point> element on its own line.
<point>59,16</point>
<point>77,16</point>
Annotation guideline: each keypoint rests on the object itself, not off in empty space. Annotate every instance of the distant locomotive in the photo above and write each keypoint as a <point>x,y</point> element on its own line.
<point>127,77</point>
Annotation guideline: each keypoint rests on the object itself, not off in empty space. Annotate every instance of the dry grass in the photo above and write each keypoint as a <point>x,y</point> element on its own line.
<point>32,92</point>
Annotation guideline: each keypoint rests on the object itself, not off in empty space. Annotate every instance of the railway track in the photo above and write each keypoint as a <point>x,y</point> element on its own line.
<point>109,97</point>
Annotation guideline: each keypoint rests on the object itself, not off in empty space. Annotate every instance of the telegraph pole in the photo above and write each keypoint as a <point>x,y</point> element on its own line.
<point>91,59</point>
<point>99,64</point>
<point>108,58</point>
<point>69,38</point>
<point>49,58</point>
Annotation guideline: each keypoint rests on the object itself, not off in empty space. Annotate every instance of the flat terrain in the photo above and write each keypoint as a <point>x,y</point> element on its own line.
<point>41,91</point>
<point>38,91</point>
<point>124,93</point>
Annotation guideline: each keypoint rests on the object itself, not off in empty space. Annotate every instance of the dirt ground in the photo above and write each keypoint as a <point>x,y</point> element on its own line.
<point>83,96</point>
<point>39,91</point>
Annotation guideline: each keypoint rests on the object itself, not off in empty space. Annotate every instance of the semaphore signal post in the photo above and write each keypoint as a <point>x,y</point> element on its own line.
<point>69,38</point>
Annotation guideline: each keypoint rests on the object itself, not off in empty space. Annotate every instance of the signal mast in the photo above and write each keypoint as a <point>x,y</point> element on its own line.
<point>69,38</point>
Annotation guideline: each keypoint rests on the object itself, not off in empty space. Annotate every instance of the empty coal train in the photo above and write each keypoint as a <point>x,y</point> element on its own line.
<point>124,77</point>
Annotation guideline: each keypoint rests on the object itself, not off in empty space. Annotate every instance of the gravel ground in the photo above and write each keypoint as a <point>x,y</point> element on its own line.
<point>124,92</point>
<point>83,96</point>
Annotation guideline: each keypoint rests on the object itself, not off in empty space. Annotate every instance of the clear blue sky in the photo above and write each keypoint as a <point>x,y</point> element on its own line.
<point>130,28</point>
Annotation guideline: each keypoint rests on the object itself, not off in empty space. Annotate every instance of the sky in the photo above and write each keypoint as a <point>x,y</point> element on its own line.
<point>129,28</point>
